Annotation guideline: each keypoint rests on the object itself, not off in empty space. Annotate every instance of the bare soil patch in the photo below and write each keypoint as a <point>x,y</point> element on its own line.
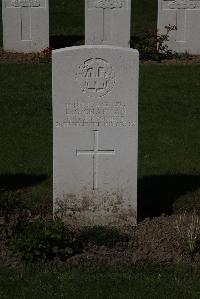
<point>153,240</point>
<point>193,59</point>
<point>20,58</point>
<point>37,58</point>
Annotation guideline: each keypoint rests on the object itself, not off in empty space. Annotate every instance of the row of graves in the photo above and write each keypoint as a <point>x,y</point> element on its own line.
<point>95,103</point>
<point>107,22</point>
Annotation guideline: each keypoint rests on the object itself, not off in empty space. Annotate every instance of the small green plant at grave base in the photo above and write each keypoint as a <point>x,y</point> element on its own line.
<point>183,56</point>
<point>101,236</point>
<point>152,45</point>
<point>44,241</point>
<point>188,228</point>
<point>46,55</point>
<point>14,211</point>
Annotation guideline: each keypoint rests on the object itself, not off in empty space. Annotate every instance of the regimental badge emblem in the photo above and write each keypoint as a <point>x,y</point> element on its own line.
<point>96,77</point>
<point>182,4</point>
<point>110,4</point>
<point>25,3</point>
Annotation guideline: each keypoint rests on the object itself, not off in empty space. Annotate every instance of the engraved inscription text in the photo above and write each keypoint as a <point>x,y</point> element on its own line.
<point>101,114</point>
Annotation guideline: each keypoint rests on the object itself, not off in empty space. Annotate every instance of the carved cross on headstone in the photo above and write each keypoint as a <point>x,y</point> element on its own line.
<point>107,7</point>
<point>181,7</point>
<point>25,6</point>
<point>94,153</point>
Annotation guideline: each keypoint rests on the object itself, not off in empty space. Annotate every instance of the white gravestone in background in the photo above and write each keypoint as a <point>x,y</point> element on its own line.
<point>25,25</point>
<point>95,124</point>
<point>185,15</point>
<point>107,22</point>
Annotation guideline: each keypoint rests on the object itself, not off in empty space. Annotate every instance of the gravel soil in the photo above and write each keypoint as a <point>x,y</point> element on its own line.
<point>21,58</point>
<point>153,240</point>
<point>36,58</point>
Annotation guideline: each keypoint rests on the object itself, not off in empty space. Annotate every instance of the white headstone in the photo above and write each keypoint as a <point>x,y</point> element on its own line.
<point>107,22</point>
<point>25,25</point>
<point>95,124</point>
<point>185,15</point>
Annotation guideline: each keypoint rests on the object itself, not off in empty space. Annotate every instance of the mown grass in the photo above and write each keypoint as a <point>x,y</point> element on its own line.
<point>169,138</point>
<point>169,119</point>
<point>169,142</point>
<point>100,282</point>
<point>26,129</point>
<point>169,129</point>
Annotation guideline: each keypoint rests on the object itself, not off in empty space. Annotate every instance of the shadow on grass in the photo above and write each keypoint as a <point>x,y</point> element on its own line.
<point>157,194</point>
<point>12,182</point>
<point>62,41</point>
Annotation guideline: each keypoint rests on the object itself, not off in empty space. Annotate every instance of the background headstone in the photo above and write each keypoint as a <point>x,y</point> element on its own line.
<point>185,15</point>
<point>95,121</point>
<point>25,25</point>
<point>107,22</point>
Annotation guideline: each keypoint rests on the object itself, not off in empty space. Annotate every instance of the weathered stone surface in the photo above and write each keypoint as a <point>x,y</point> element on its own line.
<point>25,25</point>
<point>185,15</point>
<point>107,22</point>
<point>95,124</point>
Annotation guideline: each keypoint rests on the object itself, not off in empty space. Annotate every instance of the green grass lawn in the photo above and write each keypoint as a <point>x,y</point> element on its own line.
<point>169,137</point>
<point>169,119</point>
<point>26,135</point>
<point>169,131</point>
<point>169,143</point>
<point>122,282</point>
